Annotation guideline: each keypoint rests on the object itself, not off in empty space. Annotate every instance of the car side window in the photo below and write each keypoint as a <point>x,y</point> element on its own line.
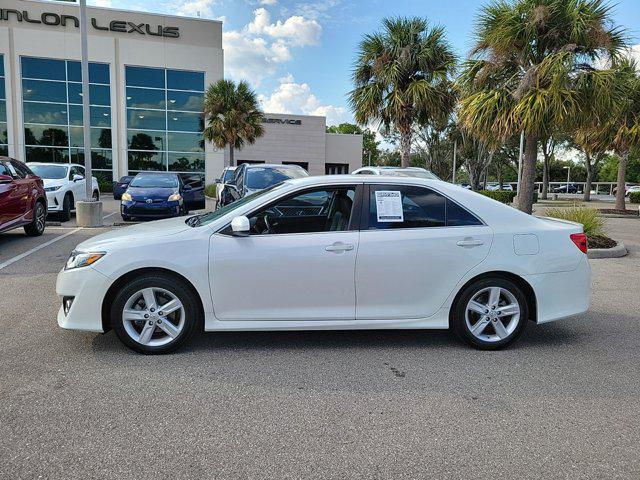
<point>22,170</point>
<point>4,170</point>
<point>12,171</point>
<point>80,171</point>
<point>72,172</point>
<point>364,172</point>
<point>407,206</point>
<point>319,210</point>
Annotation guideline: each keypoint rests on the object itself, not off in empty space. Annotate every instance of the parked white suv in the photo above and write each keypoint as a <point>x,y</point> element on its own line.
<point>65,185</point>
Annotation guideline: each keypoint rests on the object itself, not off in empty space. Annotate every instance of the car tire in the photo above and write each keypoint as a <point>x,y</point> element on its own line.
<point>126,218</point>
<point>37,225</point>
<point>96,196</point>
<point>65,214</point>
<point>131,302</point>
<point>482,323</point>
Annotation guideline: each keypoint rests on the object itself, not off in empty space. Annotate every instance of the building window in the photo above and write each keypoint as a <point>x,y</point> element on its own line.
<point>250,162</point>
<point>165,120</point>
<point>52,112</point>
<point>4,136</point>
<point>336,168</point>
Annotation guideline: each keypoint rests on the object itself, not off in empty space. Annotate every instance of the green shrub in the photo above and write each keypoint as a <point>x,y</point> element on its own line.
<point>634,197</point>
<point>588,217</point>
<point>504,196</point>
<point>105,182</point>
<point>210,190</point>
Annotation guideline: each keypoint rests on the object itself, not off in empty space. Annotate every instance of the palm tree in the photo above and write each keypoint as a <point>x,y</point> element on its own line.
<point>402,76</point>
<point>524,72</point>
<point>621,130</point>
<point>233,116</point>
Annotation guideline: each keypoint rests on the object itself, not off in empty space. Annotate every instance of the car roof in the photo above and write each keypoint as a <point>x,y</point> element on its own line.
<point>270,165</point>
<point>57,164</point>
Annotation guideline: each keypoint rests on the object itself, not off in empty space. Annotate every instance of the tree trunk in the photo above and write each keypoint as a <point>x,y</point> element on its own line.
<point>405,146</point>
<point>622,173</point>
<point>232,160</point>
<point>528,178</point>
<point>545,175</point>
<point>499,175</point>
<point>587,188</point>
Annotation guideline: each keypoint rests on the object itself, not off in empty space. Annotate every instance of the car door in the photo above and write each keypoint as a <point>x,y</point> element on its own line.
<point>414,248</point>
<point>9,199</point>
<point>78,187</point>
<point>18,193</point>
<point>297,264</point>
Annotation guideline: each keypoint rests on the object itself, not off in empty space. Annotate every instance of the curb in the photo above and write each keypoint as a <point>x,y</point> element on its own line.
<point>618,251</point>
<point>611,215</point>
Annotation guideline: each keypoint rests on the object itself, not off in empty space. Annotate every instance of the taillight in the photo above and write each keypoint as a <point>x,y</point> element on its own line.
<point>580,239</point>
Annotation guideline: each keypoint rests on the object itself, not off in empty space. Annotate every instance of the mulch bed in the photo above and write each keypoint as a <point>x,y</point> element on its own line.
<point>612,211</point>
<point>600,241</point>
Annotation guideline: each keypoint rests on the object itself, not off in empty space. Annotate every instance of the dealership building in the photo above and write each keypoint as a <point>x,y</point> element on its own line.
<point>147,77</point>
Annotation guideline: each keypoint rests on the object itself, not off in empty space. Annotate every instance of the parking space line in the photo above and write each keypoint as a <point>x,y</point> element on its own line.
<point>35,249</point>
<point>107,216</point>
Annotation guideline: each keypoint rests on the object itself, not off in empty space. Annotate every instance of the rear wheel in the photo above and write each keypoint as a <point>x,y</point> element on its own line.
<point>155,314</point>
<point>36,227</point>
<point>490,313</point>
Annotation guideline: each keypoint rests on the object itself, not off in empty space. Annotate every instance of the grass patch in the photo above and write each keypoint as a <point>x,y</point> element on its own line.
<point>210,190</point>
<point>589,218</point>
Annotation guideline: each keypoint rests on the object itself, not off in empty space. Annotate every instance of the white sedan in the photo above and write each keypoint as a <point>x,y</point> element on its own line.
<point>331,253</point>
<point>64,184</point>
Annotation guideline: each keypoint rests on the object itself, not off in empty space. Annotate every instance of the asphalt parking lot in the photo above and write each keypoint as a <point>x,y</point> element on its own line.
<point>563,402</point>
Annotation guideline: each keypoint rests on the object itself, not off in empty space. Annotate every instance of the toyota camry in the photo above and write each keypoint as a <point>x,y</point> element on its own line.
<point>331,253</point>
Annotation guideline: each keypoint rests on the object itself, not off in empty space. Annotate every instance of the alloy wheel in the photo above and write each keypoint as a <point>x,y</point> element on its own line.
<point>153,317</point>
<point>40,215</point>
<point>492,314</point>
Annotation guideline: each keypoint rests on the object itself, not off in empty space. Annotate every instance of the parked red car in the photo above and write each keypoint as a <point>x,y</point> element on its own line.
<point>23,202</point>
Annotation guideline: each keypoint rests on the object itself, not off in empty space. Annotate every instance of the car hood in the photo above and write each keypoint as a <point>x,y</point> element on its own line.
<point>54,182</point>
<point>126,236</point>
<point>138,193</point>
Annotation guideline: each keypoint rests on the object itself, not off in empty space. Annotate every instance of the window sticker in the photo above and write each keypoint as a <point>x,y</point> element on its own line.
<point>389,206</point>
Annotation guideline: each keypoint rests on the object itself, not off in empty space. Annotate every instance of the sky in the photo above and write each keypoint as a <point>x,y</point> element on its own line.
<point>298,54</point>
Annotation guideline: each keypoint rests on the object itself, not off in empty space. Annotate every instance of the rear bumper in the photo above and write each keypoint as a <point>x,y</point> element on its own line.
<point>87,287</point>
<point>563,294</point>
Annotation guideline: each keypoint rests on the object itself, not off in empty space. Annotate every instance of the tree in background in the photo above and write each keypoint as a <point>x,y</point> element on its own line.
<point>402,76</point>
<point>370,146</point>
<point>524,72</point>
<point>232,115</point>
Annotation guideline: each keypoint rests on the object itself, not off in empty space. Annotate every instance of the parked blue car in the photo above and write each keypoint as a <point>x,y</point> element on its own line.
<point>162,195</point>
<point>121,186</point>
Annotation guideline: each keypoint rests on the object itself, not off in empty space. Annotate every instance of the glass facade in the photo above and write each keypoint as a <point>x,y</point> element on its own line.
<point>165,120</point>
<point>4,137</point>
<point>52,112</point>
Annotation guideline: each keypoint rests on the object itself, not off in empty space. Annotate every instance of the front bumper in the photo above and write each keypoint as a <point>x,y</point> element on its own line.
<point>87,286</point>
<point>150,210</point>
<point>54,201</point>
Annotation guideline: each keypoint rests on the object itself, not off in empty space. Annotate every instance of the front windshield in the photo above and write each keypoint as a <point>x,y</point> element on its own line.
<point>49,172</point>
<point>154,181</point>
<point>259,178</point>
<point>211,216</point>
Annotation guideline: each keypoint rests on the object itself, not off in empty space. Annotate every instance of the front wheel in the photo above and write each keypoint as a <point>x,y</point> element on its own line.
<point>96,196</point>
<point>155,314</point>
<point>36,227</point>
<point>490,313</point>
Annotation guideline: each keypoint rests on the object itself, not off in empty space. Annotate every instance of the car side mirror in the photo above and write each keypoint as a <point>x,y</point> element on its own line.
<point>217,180</point>
<point>77,178</point>
<point>6,179</point>
<point>240,226</point>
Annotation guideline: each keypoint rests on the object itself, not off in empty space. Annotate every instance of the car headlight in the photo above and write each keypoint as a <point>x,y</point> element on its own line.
<point>176,197</point>
<point>82,259</point>
<point>126,197</point>
<point>51,189</point>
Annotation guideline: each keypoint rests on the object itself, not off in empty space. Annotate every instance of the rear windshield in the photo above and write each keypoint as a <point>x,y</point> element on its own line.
<point>259,178</point>
<point>154,181</point>
<point>49,172</point>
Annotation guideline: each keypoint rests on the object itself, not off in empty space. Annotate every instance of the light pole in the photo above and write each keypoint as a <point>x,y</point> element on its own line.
<point>568,168</point>
<point>89,212</point>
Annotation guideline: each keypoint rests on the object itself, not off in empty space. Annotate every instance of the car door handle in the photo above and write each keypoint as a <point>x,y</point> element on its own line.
<point>339,247</point>
<point>469,242</point>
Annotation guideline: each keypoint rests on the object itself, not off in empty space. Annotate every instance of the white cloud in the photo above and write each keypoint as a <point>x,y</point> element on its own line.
<point>296,29</point>
<point>194,8</point>
<point>268,2</point>
<point>297,98</point>
<point>256,51</point>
